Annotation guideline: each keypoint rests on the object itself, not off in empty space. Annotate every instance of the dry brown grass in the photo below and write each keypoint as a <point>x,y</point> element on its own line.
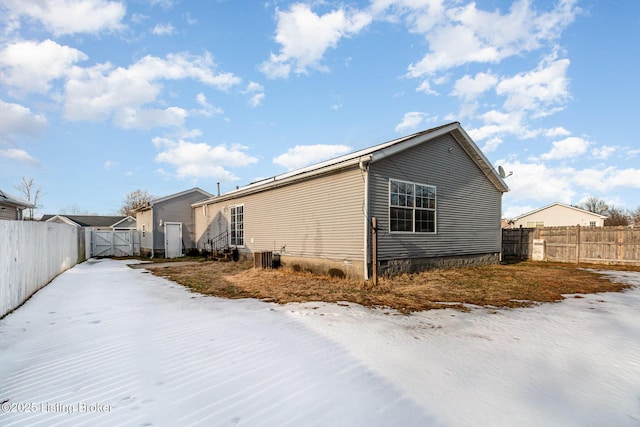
<point>513,285</point>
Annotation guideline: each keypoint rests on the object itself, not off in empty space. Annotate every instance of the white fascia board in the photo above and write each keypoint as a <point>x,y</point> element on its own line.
<point>394,147</point>
<point>182,193</point>
<point>63,219</point>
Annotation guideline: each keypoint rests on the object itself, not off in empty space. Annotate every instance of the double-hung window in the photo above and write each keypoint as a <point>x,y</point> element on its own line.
<point>412,207</point>
<point>237,225</point>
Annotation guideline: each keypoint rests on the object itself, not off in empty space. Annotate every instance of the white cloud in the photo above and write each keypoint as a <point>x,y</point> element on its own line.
<point>465,34</point>
<point>625,178</point>
<point>19,155</point>
<point>566,148</point>
<point>303,155</point>
<point>492,144</point>
<point>31,66</point>
<point>425,87</point>
<point>545,86</point>
<point>165,4</point>
<point>470,88</point>
<point>305,36</point>
<point>603,152</point>
<point>163,30</point>
<point>607,179</point>
<point>108,165</point>
<point>515,211</point>
<point>497,124</point>
<point>255,92</point>
<point>138,18</point>
<point>536,181</point>
<point>632,152</point>
<point>133,118</point>
<point>557,131</point>
<point>410,121</point>
<point>71,16</point>
<point>200,160</point>
<point>207,110</point>
<point>16,119</point>
<point>256,99</point>
<point>104,91</point>
<point>421,15</point>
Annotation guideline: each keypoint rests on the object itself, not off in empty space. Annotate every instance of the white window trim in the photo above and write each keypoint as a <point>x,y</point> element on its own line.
<point>244,237</point>
<point>413,222</point>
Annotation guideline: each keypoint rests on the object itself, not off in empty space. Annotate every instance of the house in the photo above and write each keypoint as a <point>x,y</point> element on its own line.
<point>95,222</point>
<point>12,208</point>
<point>435,197</point>
<point>166,224</point>
<point>558,215</point>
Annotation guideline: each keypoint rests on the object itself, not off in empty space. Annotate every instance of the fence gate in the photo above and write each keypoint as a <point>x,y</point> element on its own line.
<point>115,243</point>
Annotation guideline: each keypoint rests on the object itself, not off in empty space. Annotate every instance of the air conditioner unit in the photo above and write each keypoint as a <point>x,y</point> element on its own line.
<point>263,259</point>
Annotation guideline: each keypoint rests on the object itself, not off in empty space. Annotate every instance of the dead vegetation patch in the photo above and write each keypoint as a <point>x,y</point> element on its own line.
<point>512,285</point>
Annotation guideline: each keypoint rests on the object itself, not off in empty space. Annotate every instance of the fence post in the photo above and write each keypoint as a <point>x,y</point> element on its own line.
<point>519,254</point>
<point>620,251</point>
<point>374,249</point>
<point>578,244</point>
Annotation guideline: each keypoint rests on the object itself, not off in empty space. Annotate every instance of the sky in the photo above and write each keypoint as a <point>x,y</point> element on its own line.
<point>99,98</point>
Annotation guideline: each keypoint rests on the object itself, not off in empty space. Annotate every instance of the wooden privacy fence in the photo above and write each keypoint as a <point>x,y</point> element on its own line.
<point>601,245</point>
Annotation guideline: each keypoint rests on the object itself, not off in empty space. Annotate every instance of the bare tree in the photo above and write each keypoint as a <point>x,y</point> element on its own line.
<point>616,217</point>
<point>31,194</point>
<point>595,204</point>
<point>635,217</point>
<point>75,210</point>
<point>134,200</point>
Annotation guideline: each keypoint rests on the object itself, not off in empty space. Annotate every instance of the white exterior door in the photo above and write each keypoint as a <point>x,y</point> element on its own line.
<point>173,239</point>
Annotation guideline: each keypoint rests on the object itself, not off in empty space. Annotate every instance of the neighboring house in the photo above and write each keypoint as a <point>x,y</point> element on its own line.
<point>436,198</point>
<point>95,222</point>
<point>558,215</point>
<point>12,208</point>
<point>166,224</point>
<point>104,235</point>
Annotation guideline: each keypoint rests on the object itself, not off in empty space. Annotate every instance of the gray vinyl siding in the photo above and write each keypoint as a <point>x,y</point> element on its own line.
<point>176,209</point>
<point>468,205</point>
<point>320,217</point>
<point>9,212</point>
<point>128,224</point>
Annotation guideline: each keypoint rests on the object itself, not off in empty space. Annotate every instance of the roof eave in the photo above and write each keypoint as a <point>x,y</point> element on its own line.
<point>280,180</point>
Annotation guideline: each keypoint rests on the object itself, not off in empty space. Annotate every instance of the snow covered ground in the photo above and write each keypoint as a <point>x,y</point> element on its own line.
<point>104,344</point>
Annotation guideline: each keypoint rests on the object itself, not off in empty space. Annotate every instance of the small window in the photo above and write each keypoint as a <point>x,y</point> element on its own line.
<point>412,207</point>
<point>534,224</point>
<point>144,229</point>
<point>592,223</point>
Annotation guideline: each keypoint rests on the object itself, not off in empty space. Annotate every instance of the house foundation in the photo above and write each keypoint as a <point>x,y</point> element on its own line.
<point>395,267</point>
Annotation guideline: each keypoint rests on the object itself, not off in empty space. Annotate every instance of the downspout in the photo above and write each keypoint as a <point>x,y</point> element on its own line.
<point>153,233</point>
<point>364,167</point>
